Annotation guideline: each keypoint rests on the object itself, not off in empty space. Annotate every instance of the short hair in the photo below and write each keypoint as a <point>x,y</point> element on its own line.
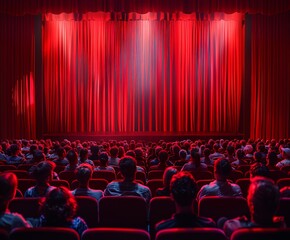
<point>130,153</point>
<point>168,174</point>
<point>104,157</point>
<point>38,156</point>
<point>84,173</point>
<point>58,207</point>
<point>42,170</point>
<point>8,185</point>
<point>240,153</point>
<point>114,151</point>
<point>182,153</point>
<point>72,156</point>
<point>263,198</point>
<point>128,166</point>
<point>223,167</point>
<point>183,188</point>
<point>163,156</point>
<point>259,169</point>
<point>13,148</point>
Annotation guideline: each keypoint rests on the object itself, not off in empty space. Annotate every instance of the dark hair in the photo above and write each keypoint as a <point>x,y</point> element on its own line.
<point>163,156</point>
<point>272,158</point>
<point>72,156</point>
<point>42,171</point>
<point>167,175</point>
<point>128,167</point>
<point>84,172</point>
<point>183,188</point>
<point>195,157</point>
<point>222,167</point>
<point>8,185</point>
<point>263,199</point>
<point>58,207</point>
<point>259,169</point>
<point>131,153</point>
<point>104,158</point>
<point>83,154</point>
<point>38,156</point>
<point>114,151</point>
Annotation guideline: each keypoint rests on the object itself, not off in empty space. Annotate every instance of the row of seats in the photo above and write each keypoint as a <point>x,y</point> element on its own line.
<point>46,233</point>
<point>133,211</point>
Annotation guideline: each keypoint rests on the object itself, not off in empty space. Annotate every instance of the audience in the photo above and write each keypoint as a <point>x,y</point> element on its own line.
<point>194,165</point>
<point>285,152</point>
<point>8,186</point>
<point>104,157</point>
<point>128,186</point>
<point>183,190</point>
<point>167,176</point>
<point>263,199</point>
<point>43,173</point>
<point>221,186</point>
<point>58,209</point>
<point>84,174</point>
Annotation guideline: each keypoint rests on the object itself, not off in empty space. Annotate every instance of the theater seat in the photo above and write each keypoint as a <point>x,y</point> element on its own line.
<point>261,233</point>
<point>191,233</point>
<point>115,234</point>
<point>216,207</point>
<point>44,233</point>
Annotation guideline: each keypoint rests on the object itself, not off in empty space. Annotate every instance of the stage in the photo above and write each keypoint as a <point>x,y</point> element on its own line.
<point>143,136</point>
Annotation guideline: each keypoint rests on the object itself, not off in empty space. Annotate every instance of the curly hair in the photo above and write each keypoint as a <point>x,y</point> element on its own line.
<point>58,207</point>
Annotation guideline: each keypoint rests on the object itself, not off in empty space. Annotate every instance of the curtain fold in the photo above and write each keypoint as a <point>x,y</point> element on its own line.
<point>17,84</point>
<point>270,101</point>
<point>147,75</point>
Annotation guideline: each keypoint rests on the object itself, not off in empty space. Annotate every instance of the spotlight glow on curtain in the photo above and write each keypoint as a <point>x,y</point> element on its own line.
<point>182,75</point>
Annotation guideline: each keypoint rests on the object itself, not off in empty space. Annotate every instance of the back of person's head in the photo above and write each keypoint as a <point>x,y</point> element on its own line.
<point>258,157</point>
<point>60,152</point>
<point>248,149</point>
<point>272,158</point>
<point>167,175</point>
<point>72,157</point>
<point>84,173</point>
<point>131,153</point>
<point>104,157</point>
<point>114,151</point>
<point>94,149</point>
<point>128,168</point>
<point>175,149</point>
<point>38,156</point>
<point>259,169</point>
<point>183,188</point>
<point>163,156</point>
<point>206,152</point>
<point>240,153</point>
<point>58,207</point>
<point>84,153</point>
<point>8,185</point>
<point>230,150</point>
<point>43,171</point>
<point>182,154</point>
<point>195,157</point>
<point>216,147</point>
<point>222,167</point>
<point>14,149</point>
<point>139,153</point>
<point>263,200</point>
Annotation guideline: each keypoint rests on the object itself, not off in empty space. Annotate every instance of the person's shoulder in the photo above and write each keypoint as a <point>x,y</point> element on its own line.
<point>206,222</point>
<point>164,224</point>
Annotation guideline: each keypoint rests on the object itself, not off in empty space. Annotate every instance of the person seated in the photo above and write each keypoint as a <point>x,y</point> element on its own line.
<point>167,176</point>
<point>182,158</point>
<point>183,190</point>
<point>94,152</point>
<point>15,157</point>
<point>84,173</point>
<point>221,186</point>
<point>163,161</point>
<point>285,152</point>
<point>127,186</point>
<point>272,160</point>
<point>104,158</point>
<point>240,154</point>
<point>113,159</point>
<point>263,200</point>
<point>216,153</point>
<point>133,155</point>
<point>61,159</point>
<point>8,186</point>
<point>259,169</point>
<point>194,165</point>
<point>230,154</point>
<point>72,157</point>
<point>83,157</point>
<point>206,159</point>
<point>43,173</point>
<point>58,209</point>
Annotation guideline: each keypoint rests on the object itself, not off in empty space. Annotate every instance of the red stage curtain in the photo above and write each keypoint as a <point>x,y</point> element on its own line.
<point>19,7</point>
<point>146,75</point>
<point>270,94</point>
<point>17,95</point>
